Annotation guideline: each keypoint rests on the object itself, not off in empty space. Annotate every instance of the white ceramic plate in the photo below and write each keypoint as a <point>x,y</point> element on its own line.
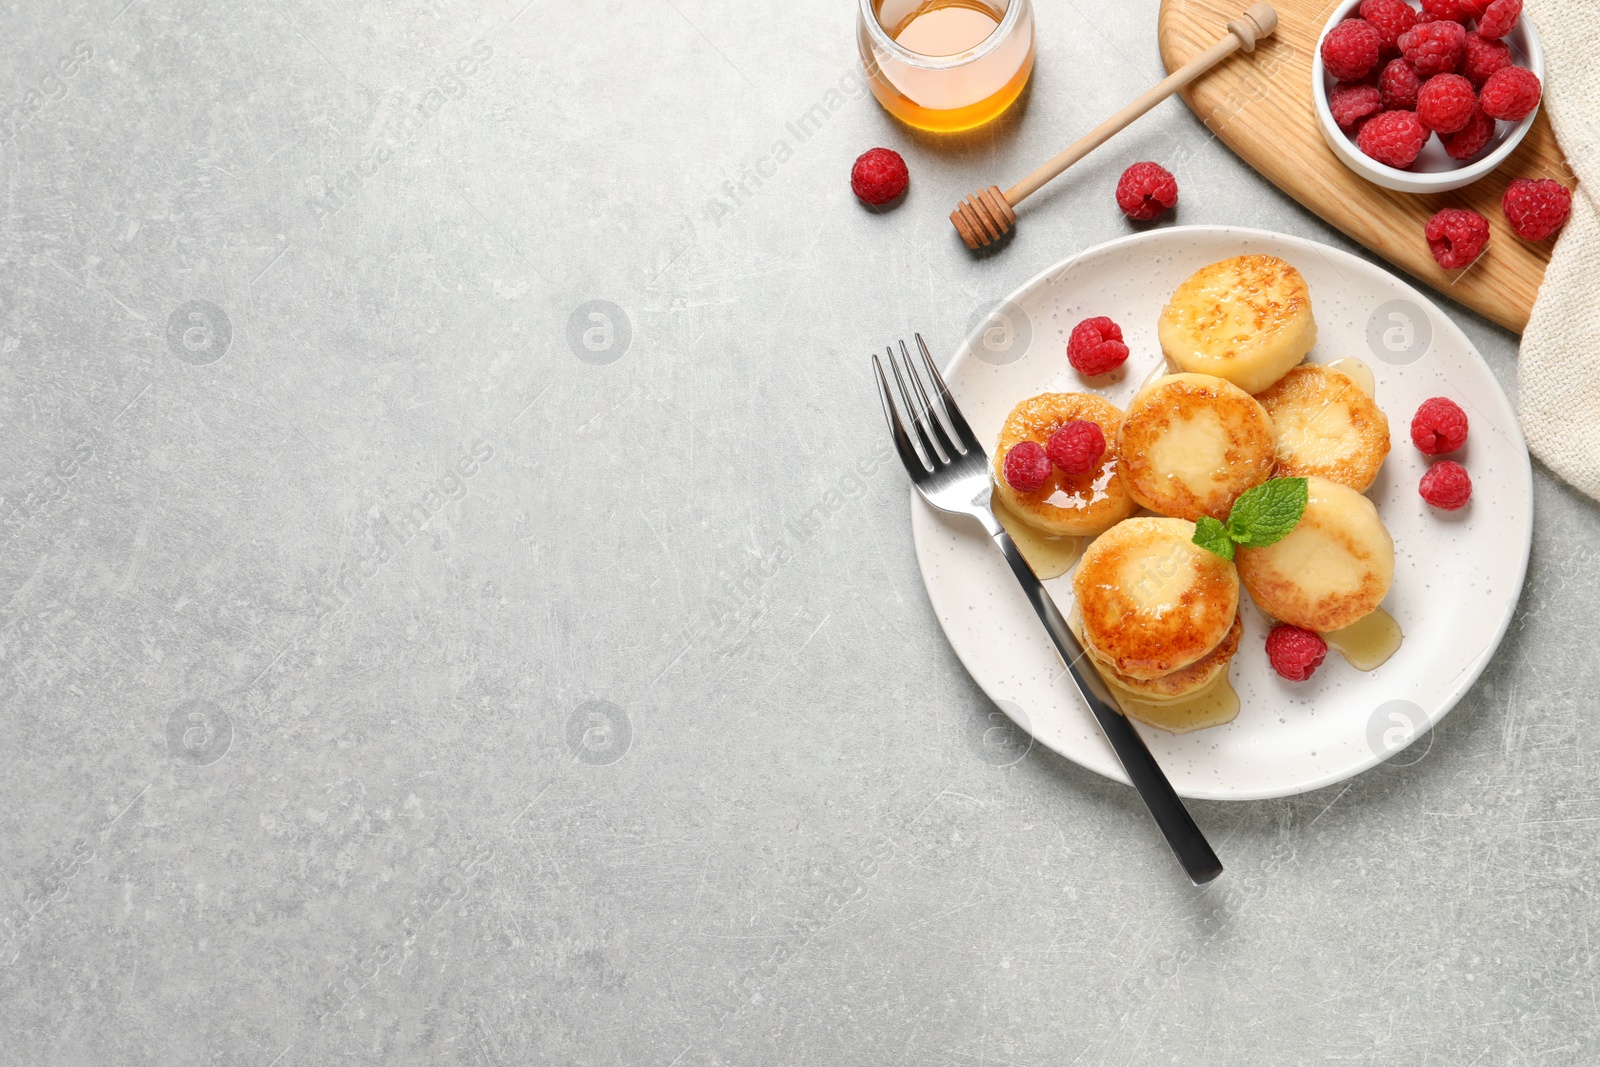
<point>1457,576</point>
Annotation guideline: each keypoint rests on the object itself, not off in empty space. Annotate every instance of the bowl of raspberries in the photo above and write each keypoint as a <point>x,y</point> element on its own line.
<point>1422,96</point>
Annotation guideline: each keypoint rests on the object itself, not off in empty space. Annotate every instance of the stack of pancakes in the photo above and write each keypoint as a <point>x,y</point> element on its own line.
<point>1158,614</point>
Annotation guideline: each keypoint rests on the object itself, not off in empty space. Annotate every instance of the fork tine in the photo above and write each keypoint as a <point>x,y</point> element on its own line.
<point>966,440</point>
<point>914,463</point>
<point>929,418</point>
<point>935,457</point>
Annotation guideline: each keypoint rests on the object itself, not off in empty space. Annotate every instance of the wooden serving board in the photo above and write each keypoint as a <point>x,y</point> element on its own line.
<point>1260,105</point>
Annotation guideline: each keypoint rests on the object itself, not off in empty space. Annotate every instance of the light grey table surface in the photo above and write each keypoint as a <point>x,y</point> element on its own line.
<point>390,678</point>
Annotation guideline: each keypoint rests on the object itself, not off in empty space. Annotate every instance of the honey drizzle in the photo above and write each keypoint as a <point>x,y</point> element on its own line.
<point>1215,705</point>
<point>1357,371</point>
<point>1368,642</point>
<point>1050,557</point>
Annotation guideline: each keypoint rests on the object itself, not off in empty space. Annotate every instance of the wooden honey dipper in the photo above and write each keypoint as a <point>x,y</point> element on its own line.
<point>986,216</point>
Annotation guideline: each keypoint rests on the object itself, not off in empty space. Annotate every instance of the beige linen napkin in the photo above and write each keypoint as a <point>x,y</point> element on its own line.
<point>1557,381</point>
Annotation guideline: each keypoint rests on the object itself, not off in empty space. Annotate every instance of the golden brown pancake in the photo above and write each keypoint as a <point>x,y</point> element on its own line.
<point>1326,425</point>
<point>1068,505</point>
<point>1152,601</point>
<point>1331,570</point>
<point>1247,319</point>
<point>1191,443</point>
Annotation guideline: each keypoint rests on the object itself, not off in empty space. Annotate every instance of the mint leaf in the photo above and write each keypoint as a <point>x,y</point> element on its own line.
<point>1261,517</point>
<point>1265,515</point>
<point>1212,536</point>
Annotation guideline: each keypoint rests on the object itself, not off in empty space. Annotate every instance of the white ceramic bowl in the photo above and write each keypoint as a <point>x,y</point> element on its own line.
<point>1434,171</point>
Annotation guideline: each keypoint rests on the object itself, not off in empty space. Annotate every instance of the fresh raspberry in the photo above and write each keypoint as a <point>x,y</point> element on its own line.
<point>1390,18</point>
<point>1027,466</point>
<point>1469,141</point>
<point>1146,190</point>
<point>1439,426</point>
<point>1434,47</point>
<point>1077,447</point>
<point>1399,85</point>
<point>1096,347</point>
<point>1454,10</point>
<point>1500,18</point>
<point>1351,102</point>
<point>1511,93</point>
<point>1481,57</point>
<point>1456,238</point>
<point>1351,49</point>
<point>1445,103</point>
<point>1474,9</point>
<point>1393,137</point>
<point>1446,485</point>
<point>879,175</point>
<point>1536,209</point>
<point>1295,653</point>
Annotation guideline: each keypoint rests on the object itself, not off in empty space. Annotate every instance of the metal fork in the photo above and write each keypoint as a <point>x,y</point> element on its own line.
<point>951,471</point>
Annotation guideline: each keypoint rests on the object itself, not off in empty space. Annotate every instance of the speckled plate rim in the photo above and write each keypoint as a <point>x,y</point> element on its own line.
<point>993,659</point>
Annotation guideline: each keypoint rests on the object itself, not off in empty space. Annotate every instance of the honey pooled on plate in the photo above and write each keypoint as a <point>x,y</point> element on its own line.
<point>1049,557</point>
<point>1215,705</point>
<point>1367,643</point>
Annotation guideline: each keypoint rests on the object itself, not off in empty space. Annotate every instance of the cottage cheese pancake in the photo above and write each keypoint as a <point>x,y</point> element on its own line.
<point>1246,319</point>
<point>1191,443</point>
<point>1152,601</point>
<point>1183,682</point>
<point>1067,505</point>
<point>1332,569</point>
<point>1327,425</point>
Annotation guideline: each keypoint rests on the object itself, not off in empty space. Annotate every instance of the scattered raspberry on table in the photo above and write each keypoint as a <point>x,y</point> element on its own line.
<point>1434,47</point>
<point>1536,209</point>
<point>1351,49</point>
<point>1439,426</point>
<point>1077,447</point>
<point>879,175</point>
<point>1390,18</point>
<point>1027,466</point>
<point>1457,237</point>
<point>1295,653</point>
<point>1394,138</point>
<point>1095,347</point>
<point>1511,93</point>
<point>1146,190</point>
<point>1446,485</point>
<point>1351,102</point>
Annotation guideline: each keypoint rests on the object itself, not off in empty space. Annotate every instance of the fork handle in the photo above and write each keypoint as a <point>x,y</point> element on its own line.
<point>1174,820</point>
